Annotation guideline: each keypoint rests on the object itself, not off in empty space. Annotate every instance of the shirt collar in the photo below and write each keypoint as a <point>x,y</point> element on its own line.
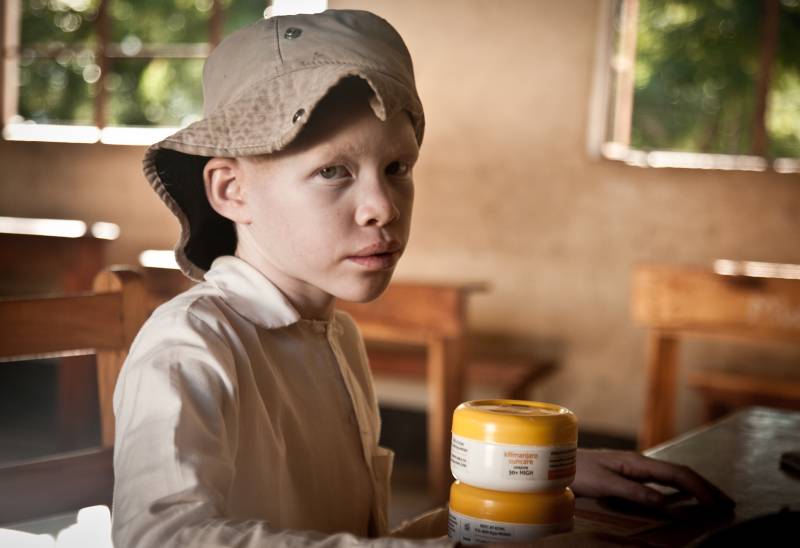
<point>250,293</point>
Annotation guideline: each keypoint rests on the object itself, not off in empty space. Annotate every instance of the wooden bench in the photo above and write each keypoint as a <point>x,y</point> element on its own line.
<point>103,322</point>
<point>37,265</point>
<point>676,302</point>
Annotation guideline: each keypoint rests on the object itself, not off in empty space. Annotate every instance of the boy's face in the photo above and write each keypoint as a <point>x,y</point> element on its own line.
<point>330,215</point>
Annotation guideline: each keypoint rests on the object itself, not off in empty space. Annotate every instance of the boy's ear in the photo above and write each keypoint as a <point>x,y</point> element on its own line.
<point>223,180</point>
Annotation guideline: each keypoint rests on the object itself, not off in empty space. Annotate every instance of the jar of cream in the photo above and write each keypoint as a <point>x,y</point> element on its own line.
<point>514,445</point>
<point>479,516</point>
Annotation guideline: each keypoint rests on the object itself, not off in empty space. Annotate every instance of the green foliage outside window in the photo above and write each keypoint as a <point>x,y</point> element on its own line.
<point>695,79</point>
<point>60,72</point>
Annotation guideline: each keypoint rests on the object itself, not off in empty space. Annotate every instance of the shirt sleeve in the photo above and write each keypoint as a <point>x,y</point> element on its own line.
<point>176,437</point>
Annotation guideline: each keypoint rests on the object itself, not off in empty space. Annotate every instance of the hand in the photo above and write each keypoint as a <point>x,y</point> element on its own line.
<point>606,473</point>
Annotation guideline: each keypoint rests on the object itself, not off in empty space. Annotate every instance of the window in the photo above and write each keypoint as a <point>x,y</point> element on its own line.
<point>699,83</point>
<point>116,71</point>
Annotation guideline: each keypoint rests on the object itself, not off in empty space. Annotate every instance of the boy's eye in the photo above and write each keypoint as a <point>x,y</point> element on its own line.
<point>397,169</point>
<point>333,172</point>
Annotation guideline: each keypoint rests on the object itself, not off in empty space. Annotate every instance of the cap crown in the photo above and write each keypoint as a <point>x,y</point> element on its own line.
<point>273,47</point>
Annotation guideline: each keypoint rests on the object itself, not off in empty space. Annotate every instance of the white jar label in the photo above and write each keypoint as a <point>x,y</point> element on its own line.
<point>513,462</point>
<point>468,530</point>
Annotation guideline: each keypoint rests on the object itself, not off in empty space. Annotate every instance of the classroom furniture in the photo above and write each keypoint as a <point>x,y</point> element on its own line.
<point>104,322</point>
<point>740,454</point>
<point>757,436</point>
<point>421,332</point>
<point>162,284</point>
<point>433,316</point>
<point>36,265</point>
<point>678,302</point>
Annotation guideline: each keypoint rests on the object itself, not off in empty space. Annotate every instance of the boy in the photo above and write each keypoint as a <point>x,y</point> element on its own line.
<point>245,411</point>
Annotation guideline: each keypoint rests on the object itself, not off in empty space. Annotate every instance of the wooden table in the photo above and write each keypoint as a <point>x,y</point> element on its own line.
<point>740,454</point>
<point>676,302</point>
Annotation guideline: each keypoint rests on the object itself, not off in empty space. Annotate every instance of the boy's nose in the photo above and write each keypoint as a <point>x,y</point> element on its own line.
<point>377,207</point>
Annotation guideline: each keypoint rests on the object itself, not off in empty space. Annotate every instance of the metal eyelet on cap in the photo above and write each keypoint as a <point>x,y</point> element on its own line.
<point>297,115</point>
<point>292,33</point>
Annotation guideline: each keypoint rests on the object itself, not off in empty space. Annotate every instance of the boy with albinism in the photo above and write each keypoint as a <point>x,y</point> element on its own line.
<point>245,412</point>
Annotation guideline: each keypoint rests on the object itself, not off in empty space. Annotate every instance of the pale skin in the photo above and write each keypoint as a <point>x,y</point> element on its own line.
<point>329,216</point>
<point>342,188</point>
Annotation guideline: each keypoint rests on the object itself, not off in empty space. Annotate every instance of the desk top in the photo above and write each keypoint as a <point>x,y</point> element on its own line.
<point>740,454</point>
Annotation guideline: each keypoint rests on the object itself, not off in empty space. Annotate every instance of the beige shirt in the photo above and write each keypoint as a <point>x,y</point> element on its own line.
<point>238,423</point>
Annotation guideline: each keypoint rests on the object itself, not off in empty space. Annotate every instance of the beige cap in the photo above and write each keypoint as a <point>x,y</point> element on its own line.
<point>260,85</point>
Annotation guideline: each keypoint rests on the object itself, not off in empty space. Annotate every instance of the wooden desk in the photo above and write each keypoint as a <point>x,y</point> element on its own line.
<point>741,455</point>
<point>433,316</point>
<point>675,302</point>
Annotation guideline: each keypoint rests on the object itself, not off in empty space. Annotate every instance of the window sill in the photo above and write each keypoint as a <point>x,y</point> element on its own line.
<point>696,160</point>
<point>56,133</point>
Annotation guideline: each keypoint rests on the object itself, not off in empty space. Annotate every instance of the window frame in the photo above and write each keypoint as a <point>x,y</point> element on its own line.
<point>610,115</point>
<point>10,46</point>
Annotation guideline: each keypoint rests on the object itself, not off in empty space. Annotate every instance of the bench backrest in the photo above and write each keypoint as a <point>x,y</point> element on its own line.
<point>104,322</point>
<point>693,301</point>
<point>413,312</point>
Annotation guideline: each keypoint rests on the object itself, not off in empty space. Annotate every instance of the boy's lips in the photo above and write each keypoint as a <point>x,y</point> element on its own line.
<point>378,256</point>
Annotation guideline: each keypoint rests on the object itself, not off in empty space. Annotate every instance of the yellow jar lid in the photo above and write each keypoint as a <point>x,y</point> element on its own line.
<point>527,508</point>
<point>516,422</point>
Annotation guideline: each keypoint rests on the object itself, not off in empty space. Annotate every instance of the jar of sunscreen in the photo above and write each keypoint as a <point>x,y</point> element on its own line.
<point>479,516</point>
<point>514,445</point>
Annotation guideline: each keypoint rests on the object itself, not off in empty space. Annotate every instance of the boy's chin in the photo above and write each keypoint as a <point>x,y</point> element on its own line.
<point>365,290</point>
